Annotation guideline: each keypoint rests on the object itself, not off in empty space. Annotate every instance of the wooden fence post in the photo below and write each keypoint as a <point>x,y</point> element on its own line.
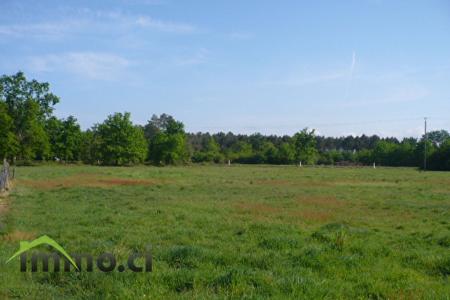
<point>4,176</point>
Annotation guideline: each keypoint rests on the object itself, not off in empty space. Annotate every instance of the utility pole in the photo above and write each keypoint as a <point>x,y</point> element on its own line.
<point>425,147</point>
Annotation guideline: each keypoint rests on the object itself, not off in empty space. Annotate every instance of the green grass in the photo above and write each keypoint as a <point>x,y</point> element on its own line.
<point>235,232</point>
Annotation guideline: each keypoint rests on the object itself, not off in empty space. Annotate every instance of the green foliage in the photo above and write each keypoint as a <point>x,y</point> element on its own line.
<point>32,137</point>
<point>119,142</point>
<point>437,137</point>
<point>209,153</point>
<point>242,152</point>
<point>65,138</point>
<point>16,91</point>
<point>28,104</point>
<point>305,147</point>
<point>88,147</point>
<point>440,158</point>
<point>286,154</point>
<point>71,137</point>
<point>54,128</point>
<point>30,132</point>
<point>8,142</point>
<point>365,156</point>
<point>167,140</point>
<point>331,157</point>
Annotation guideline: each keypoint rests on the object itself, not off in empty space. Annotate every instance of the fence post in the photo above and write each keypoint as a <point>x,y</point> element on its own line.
<point>2,187</point>
<point>5,169</point>
<point>4,176</point>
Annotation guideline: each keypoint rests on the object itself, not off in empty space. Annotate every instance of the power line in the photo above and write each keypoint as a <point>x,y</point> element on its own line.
<point>366,122</point>
<point>324,124</point>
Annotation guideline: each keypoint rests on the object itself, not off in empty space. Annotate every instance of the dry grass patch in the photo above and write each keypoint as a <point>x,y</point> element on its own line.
<point>17,236</point>
<point>296,183</point>
<point>274,182</point>
<point>3,206</point>
<point>313,215</point>
<point>321,201</point>
<point>257,208</point>
<point>367,183</point>
<point>86,180</point>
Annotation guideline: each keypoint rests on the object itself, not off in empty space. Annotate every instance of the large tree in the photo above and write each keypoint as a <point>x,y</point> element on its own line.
<point>210,152</point>
<point>305,146</point>
<point>65,138</point>
<point>437,137</point>
<point>440,159</point>
<point>32,137</point>
<point>28,104</point>
<point>8,142</point>
<point>167,140</point>
<point>119,142</point>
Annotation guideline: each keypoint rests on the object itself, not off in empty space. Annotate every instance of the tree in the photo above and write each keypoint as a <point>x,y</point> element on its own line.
<point>437,137</point>
<point>89,144</point>
<point>305,146</point>
<point>15,91</point>
<point>28,104</point>
<point>32,137</point>
<point>65,138</point>
<point>210,153</point>
<point>419,152</point>
<point>119,142</point>
<point>286,153</point>
<point>269,153</point>
<point>383,153</point>
<point>8,142</point>
<point>167,140</point>
<point>71,138</point>
<point>54,128</point>
<point>241,152</point>
<point>157,124</point>
<point>440,158</point>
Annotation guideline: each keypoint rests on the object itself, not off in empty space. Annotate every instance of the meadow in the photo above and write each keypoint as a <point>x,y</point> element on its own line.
<point>234,231</point>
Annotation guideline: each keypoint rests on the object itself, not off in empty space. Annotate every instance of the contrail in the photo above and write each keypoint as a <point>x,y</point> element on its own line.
<point>352,69</point>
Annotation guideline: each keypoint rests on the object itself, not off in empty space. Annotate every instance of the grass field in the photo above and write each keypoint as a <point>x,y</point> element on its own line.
<point>239,231</point>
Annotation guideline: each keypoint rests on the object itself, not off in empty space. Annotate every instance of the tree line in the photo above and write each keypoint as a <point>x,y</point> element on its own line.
<point>29,131</point>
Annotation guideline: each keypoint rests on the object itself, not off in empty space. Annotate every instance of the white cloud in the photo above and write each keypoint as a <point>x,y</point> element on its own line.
<point>91,65</point>
<point>43,29</point>
<point>308,79</point>
<point>198,57</point>
<point>147,22</point>
<point>86,21</point>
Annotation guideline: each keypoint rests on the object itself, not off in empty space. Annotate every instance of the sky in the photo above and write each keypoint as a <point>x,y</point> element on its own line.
<point>274,67</point>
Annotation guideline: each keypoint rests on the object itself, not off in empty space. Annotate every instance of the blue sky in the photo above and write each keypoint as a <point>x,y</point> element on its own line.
<point>342,67</point>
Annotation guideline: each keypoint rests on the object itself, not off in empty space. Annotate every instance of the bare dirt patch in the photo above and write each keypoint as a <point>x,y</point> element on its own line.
<point>297,183</point>
<point>257,208</point>
<point>362,183</point>
<point>3,206</point>
<point>321,201</point>
<point>86,180</point>
<point>313,215</point>
<point>18,235</point>
<point>317,208</point>
<point>274,182</point>
<point>119,181</point>
<point>306,208</point>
